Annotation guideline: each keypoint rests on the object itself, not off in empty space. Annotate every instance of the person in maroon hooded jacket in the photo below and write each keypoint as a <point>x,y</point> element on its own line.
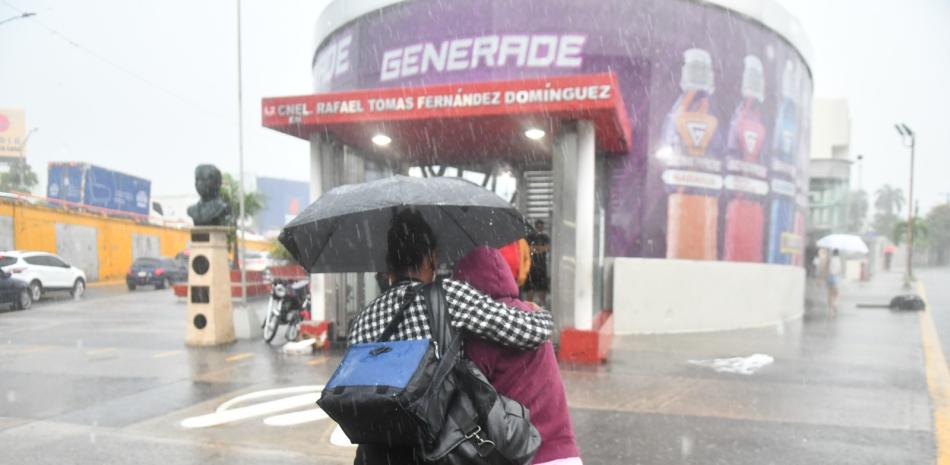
<point>530,377</point>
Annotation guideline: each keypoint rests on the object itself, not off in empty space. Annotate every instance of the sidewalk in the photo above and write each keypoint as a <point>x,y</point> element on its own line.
<point>850,389</point>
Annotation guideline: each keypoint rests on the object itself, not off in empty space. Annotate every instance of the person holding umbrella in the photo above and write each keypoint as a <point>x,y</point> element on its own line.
<point>832,273</point>
<point>411,258</point>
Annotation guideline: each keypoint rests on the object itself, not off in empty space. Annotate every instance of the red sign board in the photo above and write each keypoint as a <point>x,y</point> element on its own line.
<point>590,96</point>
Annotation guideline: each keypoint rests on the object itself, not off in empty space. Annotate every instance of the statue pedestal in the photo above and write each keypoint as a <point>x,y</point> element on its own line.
<point>210,317</point>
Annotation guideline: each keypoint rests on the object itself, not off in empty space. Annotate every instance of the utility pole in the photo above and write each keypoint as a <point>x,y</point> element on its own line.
<point>909,140</point>
<point>239,253</point>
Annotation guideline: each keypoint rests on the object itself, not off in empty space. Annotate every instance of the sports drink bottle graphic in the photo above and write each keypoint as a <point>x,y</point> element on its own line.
<point>693,177</point>
<point>783,240</point>
<point>746,182</point>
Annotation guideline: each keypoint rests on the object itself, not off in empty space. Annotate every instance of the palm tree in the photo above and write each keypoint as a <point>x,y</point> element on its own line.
<point>890,200</point>
<point>253,203</point>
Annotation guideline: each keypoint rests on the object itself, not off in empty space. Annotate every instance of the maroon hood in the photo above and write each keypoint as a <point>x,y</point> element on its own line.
<point>486,270</point>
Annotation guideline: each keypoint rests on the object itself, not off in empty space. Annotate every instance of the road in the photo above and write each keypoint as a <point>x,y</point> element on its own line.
<point>108,379</point>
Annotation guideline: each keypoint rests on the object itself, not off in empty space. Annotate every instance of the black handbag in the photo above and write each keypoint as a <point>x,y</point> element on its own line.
<point>482,426</point>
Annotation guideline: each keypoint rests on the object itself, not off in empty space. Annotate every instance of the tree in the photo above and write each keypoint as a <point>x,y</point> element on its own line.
<point>279,252</point>
<point>253,203</point>
<point>921,233</point>
<point>857,211</point>
<point>889,200</point>
<point>938,225</point>
<point>20,177</point>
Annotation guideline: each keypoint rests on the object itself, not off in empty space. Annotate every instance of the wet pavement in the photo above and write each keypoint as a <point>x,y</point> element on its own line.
<point>108,379</point>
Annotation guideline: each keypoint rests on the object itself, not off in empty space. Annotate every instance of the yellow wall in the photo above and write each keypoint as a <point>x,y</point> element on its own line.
<point>35,229</point>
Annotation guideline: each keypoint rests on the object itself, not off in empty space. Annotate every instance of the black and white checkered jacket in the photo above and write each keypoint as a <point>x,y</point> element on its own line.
<point>471,311</point>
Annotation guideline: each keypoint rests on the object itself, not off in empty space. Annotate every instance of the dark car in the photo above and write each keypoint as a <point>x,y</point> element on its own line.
<point>14,291</point>
<point>158,272</point>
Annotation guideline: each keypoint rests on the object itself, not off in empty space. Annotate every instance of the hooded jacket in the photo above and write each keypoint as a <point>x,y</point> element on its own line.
<point>531,377</point>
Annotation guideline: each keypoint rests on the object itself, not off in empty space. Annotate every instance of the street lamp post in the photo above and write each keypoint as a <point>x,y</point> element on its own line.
<point>19,16</point>
<point>909,140</point>
<point>241,243</point>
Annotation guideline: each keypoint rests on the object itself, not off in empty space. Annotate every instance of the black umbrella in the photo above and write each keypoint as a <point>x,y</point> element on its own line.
<point>345,229</point>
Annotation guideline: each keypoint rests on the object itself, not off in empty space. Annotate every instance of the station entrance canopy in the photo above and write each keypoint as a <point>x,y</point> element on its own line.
<point>459,122</point>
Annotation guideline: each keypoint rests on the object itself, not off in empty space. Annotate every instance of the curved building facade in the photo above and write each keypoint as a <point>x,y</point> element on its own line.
<point>699,223</point>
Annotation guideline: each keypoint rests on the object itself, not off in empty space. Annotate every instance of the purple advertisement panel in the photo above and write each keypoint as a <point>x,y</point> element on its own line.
<point>719,106</point>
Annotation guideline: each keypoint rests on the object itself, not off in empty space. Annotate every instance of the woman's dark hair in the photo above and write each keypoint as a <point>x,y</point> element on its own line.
<point>409,241</point>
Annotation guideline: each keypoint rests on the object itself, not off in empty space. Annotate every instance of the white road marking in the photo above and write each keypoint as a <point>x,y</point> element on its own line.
<point>269,393</point>
<point>243,413</point>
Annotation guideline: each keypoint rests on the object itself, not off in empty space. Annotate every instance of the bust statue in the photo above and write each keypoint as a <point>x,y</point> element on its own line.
<point>210,210</point>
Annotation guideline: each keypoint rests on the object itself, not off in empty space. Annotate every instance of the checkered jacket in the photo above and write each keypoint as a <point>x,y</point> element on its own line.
<point>471,311</point>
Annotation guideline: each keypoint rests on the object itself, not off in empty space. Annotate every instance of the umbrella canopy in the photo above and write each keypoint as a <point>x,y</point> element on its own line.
<point>889,248</point>
<point>345,230</point>
<point>847,243</point>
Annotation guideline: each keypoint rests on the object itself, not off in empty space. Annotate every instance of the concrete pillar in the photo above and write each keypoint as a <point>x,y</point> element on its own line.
<point>584,232</point>
<point>572,228</point>
<point>318,308</point>
<point>562,228</point>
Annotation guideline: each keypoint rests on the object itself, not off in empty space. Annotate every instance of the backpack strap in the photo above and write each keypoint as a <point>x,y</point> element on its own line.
<point>440,321</point>
<point>408,298</point>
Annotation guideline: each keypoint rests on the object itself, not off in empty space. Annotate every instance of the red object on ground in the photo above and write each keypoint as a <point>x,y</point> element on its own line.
<point>320,330</point>
<point>588,345</point>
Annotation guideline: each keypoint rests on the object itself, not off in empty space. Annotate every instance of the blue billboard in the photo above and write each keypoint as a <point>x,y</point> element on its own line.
<point>283,200</point>
<point>99,187</point>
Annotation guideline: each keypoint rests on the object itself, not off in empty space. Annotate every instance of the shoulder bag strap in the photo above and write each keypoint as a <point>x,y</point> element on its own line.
<point>400,315</point>
<point>440,322</point>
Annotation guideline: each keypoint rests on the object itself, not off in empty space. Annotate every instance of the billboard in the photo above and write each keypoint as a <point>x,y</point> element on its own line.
<point>94,186</point>
<point>720,106</point>
<point>283,200</point>
<point>12,132</point>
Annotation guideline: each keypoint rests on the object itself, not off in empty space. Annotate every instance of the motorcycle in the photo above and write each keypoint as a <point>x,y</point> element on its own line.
<point>289,304</point>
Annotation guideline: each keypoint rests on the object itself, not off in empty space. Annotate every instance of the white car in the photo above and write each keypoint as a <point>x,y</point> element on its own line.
<point>44,272</point>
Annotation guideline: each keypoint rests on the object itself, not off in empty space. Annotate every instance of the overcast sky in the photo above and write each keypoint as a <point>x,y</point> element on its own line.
<point>150,88</point>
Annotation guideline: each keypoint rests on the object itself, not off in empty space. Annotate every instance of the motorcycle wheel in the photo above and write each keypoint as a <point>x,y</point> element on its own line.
<point>270,327</point>
<point>293,329</point>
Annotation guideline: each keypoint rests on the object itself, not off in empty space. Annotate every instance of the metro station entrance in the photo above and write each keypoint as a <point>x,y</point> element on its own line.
<point>538,143</point>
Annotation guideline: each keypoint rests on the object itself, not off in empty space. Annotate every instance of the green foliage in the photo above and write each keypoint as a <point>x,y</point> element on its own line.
<point>279,252</point>
<point>253,201</point>
<point>921,232</point>
<point>889,200</point>
<point>20,178</point>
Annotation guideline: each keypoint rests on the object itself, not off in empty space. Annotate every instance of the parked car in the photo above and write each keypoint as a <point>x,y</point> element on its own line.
<point>14,292</point>
<point>43,272</point>
<point>155,271</point>
<point>258,261</point>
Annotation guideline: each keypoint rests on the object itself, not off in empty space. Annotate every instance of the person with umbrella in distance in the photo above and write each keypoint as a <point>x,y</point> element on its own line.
<point>832,276</point>
<point>411,258</point>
